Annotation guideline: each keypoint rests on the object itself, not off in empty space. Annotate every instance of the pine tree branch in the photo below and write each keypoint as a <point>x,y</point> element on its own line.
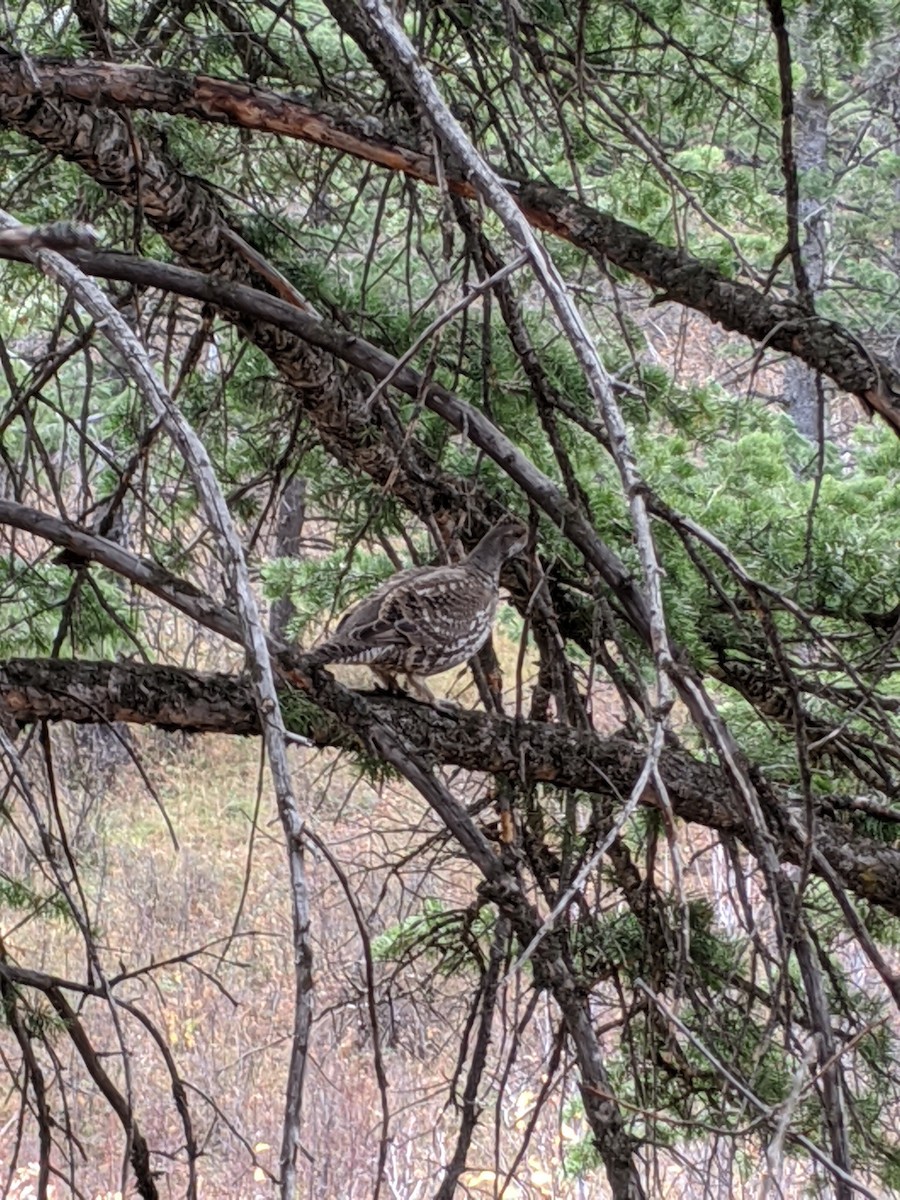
<point>776,323</point>
<point>529,753</point>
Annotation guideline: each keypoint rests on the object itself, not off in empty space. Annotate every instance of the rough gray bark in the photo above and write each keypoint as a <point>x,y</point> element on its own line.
<point>527,752</point>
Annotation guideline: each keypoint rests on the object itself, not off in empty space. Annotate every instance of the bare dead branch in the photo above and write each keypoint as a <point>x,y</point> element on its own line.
<point>253,640</point>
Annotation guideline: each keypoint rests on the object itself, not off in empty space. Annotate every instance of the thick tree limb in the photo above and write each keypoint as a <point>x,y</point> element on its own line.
<point>779,324</point>
<point>761,687</point>
<point>196,227</point>
<point>377,363</point>
<point>527,751</point>
<point>186,214</point>
<point>385,41</point>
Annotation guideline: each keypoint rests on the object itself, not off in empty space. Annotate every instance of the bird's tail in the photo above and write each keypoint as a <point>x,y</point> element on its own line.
<point>320,656</point>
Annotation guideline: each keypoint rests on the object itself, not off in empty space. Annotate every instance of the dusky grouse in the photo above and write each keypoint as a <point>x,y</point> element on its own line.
<point>426,619</point>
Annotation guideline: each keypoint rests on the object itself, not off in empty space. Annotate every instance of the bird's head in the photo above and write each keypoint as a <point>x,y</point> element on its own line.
<point>507,538</point>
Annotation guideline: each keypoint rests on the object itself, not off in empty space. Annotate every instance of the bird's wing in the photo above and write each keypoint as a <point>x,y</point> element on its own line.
<point>393,614</point>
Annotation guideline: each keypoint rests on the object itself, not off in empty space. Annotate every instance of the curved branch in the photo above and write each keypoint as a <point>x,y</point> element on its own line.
<point>780,324</point>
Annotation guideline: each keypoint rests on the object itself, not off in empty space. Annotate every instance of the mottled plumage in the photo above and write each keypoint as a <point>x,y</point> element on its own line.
<point>427,619</point>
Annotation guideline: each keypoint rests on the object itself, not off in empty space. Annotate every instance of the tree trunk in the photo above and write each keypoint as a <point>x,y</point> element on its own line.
<point>802,385</point>
<point>288,532</point>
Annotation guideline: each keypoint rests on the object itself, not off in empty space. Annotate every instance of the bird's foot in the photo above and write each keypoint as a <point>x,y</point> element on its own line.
<point>388,684</point>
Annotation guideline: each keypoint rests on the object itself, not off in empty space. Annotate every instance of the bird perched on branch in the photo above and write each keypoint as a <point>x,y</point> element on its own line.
<point>426,619</point>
